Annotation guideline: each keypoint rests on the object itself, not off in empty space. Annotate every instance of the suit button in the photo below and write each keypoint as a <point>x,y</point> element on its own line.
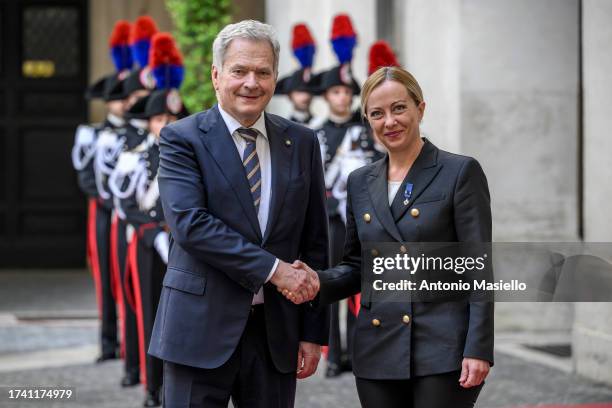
<point>288,142</point>
<point>406,319</point>
<point>374,252</point>
<point>367,217</point>
<point>403,249</point>
<point>415,212</point>
<point>153,213</point>
<point>375,322</point>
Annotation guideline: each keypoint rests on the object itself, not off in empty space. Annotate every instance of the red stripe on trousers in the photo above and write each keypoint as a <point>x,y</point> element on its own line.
<point>354,304</point>
<point>132,265</point>
<point>116,281</point>
<point>92,251</point>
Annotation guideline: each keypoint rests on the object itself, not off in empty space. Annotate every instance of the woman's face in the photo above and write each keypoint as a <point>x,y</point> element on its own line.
<point>157,122</point>
<point>339,98</point>
<point>394,116</point>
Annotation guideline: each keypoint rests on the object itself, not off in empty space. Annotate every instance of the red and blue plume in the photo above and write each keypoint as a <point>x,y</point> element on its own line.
<point>140,39</point>
<point>166,61</point>
<point>343,38</point>
<point>303,45</point>
<point>381,55</point>
<point>119,43</point>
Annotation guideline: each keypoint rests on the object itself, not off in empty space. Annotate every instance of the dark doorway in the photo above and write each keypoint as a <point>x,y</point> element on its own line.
<point>43,72</point>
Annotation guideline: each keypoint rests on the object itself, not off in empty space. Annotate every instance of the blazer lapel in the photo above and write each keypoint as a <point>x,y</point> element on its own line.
<point>280,157</point>
<point>379,197</point>
<point>423,171</point>
<point>222,148</point>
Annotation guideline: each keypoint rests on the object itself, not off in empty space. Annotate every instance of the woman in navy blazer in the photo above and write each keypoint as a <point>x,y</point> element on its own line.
<point>408,354</point>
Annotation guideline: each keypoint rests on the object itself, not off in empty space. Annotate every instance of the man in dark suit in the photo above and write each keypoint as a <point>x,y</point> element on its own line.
<point>243,194</point>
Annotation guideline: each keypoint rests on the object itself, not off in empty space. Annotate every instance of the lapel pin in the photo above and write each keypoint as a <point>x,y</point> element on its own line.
<point>408,193</point>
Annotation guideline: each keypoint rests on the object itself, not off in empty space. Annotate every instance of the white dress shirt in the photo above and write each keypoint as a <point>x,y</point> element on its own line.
<point>263,153</point>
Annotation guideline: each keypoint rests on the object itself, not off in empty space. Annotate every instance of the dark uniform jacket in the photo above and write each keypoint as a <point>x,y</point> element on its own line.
<point>83,154</point>
<point>127,138</point>
<point>330,136</point>
<point>396,340</point>
<point>152,217</point>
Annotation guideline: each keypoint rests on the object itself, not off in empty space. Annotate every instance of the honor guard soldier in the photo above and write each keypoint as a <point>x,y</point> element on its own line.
<point>137,175</point>
<point>344,141</point>
<point>110,145</point>
<point>300,85</point>
<point>356,151</point>
<point>84,156</point>
<point>98,224</point>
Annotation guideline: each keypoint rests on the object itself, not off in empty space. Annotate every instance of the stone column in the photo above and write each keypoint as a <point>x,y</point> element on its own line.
<point>592,335</point>
<point>501,82</point>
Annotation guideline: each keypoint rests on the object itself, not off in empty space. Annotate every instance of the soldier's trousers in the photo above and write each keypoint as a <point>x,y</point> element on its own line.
<point>337,355</point>
<point>147,274</point>
<point>129,329</point>
<point>98,234</point>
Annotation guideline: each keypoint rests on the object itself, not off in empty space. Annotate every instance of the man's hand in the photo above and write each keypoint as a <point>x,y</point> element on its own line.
<point>309,355</point>
<point>297,285</point>
<point>473,372</point>
<point>314,284</point>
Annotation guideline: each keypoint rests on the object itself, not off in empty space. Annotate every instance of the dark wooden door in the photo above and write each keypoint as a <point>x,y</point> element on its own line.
<point>43,73</point>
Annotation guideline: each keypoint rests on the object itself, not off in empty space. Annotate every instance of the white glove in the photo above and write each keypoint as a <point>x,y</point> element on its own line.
<point>129,231</point>
<point>162,245</point>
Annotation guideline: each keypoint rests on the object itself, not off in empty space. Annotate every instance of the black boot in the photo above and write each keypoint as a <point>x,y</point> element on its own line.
<point>107,355</point>
<point>333,370</point>
<point>152,399</point>
<point>130,379</point>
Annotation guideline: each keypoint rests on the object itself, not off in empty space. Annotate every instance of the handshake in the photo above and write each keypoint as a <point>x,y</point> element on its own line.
<point>296,281</point>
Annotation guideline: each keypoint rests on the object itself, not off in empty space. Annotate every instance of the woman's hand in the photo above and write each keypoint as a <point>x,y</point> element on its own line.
<point>473,372</point>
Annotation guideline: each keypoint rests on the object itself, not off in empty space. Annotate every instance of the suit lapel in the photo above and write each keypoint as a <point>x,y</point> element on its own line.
<point>222,148</point>
<point>379,196</point>
<point>420,175</point>
<point>280,157</point>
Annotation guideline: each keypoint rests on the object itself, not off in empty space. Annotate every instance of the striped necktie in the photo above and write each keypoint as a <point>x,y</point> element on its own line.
<point>250,161</point>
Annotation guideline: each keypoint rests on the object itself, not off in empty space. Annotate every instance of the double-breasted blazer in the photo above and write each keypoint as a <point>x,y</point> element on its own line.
<point>450,203</point>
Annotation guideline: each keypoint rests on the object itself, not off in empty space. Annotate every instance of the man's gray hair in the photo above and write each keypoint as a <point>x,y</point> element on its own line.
<point>247,29</point>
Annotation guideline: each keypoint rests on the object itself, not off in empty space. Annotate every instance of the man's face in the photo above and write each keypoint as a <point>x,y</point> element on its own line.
<point>245,84</point>
<point>301,100</point>
<point>339,98</point>
<point>157,122</point>
<point>116,107</point>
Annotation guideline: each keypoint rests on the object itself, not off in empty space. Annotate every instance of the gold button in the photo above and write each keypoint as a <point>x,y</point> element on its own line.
<point>375,322</point>
<point>374,252</point>
<point>415,212</point>
<point>366,217</point>
<point>406,319</point>
<point>403,249</point>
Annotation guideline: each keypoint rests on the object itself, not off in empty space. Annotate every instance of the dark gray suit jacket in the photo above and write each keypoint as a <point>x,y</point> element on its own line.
<point>218,257</point>
<point>452,196</point>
